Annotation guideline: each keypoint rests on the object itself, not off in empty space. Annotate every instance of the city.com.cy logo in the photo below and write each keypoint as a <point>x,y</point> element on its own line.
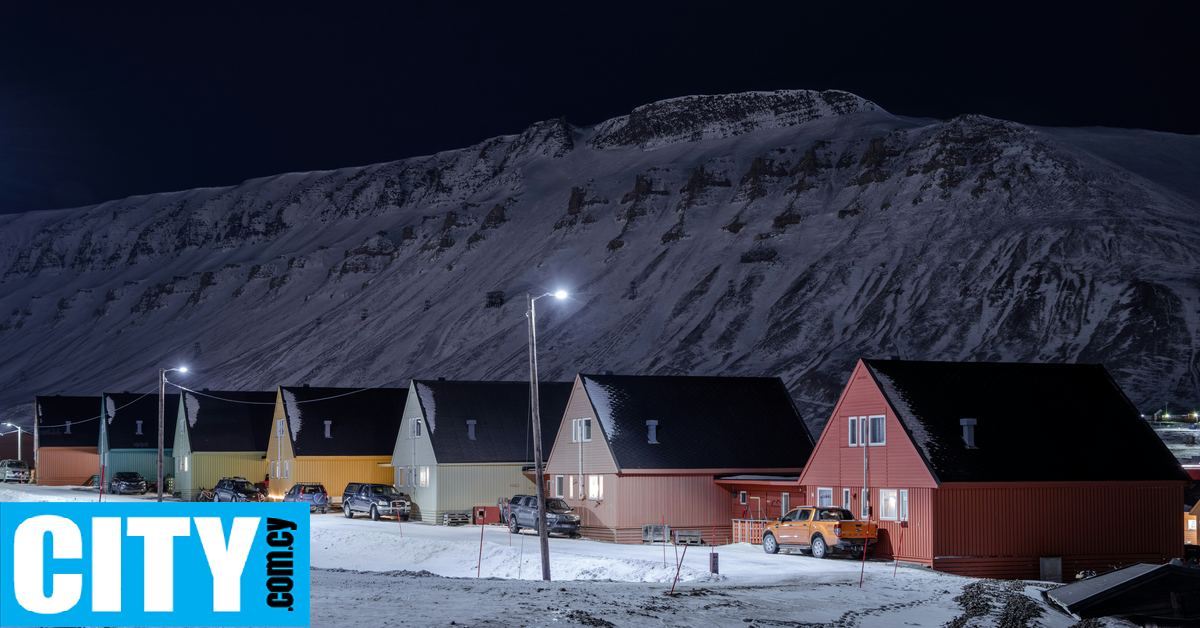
<point>173,564</point>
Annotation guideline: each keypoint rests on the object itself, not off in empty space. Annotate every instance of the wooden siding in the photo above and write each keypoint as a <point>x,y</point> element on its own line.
<point>595,514</point>
<point>1058,520</point>
<point>894,464</point>
<point>144,461</point>
<point>335,472</point>
<point>685,500</point>
<point>280,449</point>
<point>763,503</point>
<point>465,486</point>
<point>416,452</point>
<point>183,448</point>
<point>206,469</point>
<point>563,458</point>
<point>67,466</point>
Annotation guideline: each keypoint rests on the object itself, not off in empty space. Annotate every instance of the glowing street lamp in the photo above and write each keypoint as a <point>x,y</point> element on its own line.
<point>19,430</point>
<point>542,528</point>
<point>162,379</point>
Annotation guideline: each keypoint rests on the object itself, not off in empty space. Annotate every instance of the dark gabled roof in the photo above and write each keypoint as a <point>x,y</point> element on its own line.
<point>228,420</point>
<point>1035,422</point>
<point>54,412</point>
<point>124,410</point>
<point>503,430</point>
<point>1167,591</point>
<point>703,422</point>
<point>364,421</point>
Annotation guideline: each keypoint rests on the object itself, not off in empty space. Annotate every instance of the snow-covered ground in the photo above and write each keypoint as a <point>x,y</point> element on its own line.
<point>420,575</point>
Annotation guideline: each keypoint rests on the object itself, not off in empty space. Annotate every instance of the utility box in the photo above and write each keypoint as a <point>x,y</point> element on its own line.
<point>487,514</point>
<point>1051,569</point>
<point>712,563</point>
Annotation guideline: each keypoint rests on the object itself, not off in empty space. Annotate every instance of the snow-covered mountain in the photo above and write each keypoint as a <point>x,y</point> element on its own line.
<point>785,233</point>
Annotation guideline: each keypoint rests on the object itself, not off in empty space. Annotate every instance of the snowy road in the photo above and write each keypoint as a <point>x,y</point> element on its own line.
<point>368,573</point>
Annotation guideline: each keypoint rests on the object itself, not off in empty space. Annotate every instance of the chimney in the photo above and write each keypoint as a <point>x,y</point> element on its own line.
<point>139,428</point>
<point>608,372</point>
<point>304,385</point>
<point>894,357</point>
<point>968,426</point>
<point>653,427</point>
<point>327,424</point>
<point>68,427</point>
<point>441,379</point>
<point>471,430</point>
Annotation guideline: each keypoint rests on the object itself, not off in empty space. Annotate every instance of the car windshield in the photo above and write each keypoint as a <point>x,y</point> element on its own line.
<point>383,490</point>
<point>18,464</point>
<point>127,476</point>
<point>557,505</point>
<point>835,514</point>
<point>243,486</point>
<point>309,490</point>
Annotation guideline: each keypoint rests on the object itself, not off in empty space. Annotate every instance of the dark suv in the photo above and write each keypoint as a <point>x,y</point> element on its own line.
<point>235,490</point>
<point>376,500</point>
<point>314,494</point>
<point>522,513</point>
<point>127,482</point>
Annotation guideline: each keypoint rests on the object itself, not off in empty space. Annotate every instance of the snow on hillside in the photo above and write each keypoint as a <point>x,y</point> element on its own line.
<point>785,233</point>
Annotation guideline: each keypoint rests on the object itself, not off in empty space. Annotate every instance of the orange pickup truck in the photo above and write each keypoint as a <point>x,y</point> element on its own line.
<point>819,529</point>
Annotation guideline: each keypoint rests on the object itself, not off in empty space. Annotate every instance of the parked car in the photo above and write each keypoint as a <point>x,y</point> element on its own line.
<point>128,482</point>
<point>377,500</point>
<point>235,490</point>
<point>14,471</point>
<point>821,530</point>
<point>560,517</point>
<point>314,494</point>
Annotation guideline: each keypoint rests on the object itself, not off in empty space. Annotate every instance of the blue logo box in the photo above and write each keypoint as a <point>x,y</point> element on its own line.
<point>169,564</point>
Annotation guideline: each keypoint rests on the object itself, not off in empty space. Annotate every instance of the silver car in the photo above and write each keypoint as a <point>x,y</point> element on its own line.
<point>14,471</point>
<point>314,494</point>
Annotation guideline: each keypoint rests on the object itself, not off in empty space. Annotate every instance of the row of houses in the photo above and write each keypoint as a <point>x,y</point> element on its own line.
<point>970,468</point>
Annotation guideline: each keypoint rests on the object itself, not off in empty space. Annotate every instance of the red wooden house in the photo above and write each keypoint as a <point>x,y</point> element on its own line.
<point>986,468</point>
<point>635,450</point>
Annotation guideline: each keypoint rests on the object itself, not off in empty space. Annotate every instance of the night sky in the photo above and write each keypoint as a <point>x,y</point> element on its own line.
<point>105,100</point>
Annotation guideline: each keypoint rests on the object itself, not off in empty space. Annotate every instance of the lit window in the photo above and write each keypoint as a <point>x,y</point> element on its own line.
<point>571,487</point>
<point>853,431</point>
<point>558,486</point>
<point>594,487</point>
<point>878,430</point>
<point>600,480</point>
<point>424,476</point>
<point>185,458</point>
<point>824,497</point>
<point>904,505</point>
<point>887,504</point>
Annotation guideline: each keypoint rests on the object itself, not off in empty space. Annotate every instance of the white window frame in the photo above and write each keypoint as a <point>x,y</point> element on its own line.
<point>287,469</point>
<point>785,503</point>
<point>571,487</point>
<point>886,513</point>
<point>558,486</point>
<point>600,483</point>
<point>185,461</point>
<point>880,439</point>
<point>902,505</point>
<point>846,498</point>
<point>593,488</point>
<point>424,477</point>
<point>279,428</point>
<point>581,428</point>
<point>864,504</point>
<point>742,498</point>
<point>853,422</point>
<point>825,495</point>
<point>414,429</point>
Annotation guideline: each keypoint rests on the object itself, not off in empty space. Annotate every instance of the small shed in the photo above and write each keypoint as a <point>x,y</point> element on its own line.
<point>221,434</point>
<point>129,434</point>
<point>333,436</point>
<point>986,468</point>
<point>67,431</point>
<point>466,444</point>
<point>636,450</point>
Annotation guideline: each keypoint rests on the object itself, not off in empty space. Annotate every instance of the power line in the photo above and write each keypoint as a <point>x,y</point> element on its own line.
<point>95,417</point>
<point>265,403</point>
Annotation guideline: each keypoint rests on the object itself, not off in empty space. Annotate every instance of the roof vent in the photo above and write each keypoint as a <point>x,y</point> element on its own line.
<point>894,357</point>
<point>968,426</point>
<point>327,434</point>
<point>304,385</point>
<point>126,392</point>
<point>471,430</point>
<point>139,428</point>
<point>204,390</point>
<point>608,372</point>
<point>653,427</point>
<point>68,427</point>
<point>441,379</point>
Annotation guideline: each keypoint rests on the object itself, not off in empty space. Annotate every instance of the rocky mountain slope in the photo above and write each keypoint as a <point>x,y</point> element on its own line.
<point>785,233</point>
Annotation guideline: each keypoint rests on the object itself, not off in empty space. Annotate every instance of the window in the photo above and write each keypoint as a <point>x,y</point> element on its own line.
<point>600,483</point>
<point>845,498</point>
<point>581,429</point>
<point>742,497</point>
<point>424,476</point>
<point>866,504</point>
<point>185,459</point>
<point>887,504</point>
<point>278,428</point>
<point>853,431</point>
<point>571,487</point>
<point>558,486</point>
<point>878,430</point>
<point>594,487</point>
<point>287,469</point>
<point>904,505</point>
<point>785,503</point>
<point>804,514</point>
<point>415,429</point>
<point>825,497</point>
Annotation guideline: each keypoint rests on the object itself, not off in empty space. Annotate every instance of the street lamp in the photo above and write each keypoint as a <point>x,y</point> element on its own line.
<point>543,531</point>
<point>19,430</point>
<point>162,384</point>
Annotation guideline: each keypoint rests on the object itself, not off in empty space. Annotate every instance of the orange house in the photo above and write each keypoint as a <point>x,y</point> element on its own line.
<point>68,439</point>
<point>999,469</point>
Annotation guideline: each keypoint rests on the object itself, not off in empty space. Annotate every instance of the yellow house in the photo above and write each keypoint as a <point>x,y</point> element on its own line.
<point>333,436</point>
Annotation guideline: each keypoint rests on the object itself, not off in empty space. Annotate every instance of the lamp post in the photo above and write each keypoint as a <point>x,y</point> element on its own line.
<point>162,383</point>
<point>19,430</point>
<point>543,532</point>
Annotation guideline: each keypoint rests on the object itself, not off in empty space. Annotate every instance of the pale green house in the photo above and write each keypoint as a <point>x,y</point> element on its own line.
<point>465,444</point>
<point>129,434</point>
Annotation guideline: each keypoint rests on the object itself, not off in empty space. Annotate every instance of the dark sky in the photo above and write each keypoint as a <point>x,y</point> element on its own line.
<point>105,100</point>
